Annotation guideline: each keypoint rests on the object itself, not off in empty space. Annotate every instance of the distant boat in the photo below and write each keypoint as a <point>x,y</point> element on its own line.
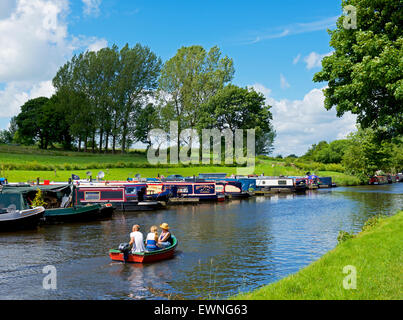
<point>378,180</point>
<point>144,257</point>
<point>15,213</point>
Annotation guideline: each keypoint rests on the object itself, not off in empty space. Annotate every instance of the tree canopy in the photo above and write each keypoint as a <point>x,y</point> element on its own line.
<point>364,74</point>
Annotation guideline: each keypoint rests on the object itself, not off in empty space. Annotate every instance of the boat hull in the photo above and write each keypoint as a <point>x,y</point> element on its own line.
<point>73,214</point>
<point>138,206</point>
<point>23,223</point>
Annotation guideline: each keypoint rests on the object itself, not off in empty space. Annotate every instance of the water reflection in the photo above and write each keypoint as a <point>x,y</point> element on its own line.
<point>223,248</point>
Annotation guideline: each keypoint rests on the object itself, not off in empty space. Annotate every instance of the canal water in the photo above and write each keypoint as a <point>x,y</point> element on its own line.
<point>224,248</point>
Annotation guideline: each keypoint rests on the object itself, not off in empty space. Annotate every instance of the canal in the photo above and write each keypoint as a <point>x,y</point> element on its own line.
<point>224,248</point>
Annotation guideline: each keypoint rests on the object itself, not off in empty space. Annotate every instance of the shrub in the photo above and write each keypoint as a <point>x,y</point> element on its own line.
<point>344,236</point>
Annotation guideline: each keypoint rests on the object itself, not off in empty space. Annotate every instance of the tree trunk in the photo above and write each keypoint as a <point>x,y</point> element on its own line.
<point>106,142</point>
<point>101,133</point>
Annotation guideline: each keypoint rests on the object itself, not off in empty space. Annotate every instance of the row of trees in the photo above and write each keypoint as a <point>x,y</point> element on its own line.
<point>112,98</point>
<point>361,154</point>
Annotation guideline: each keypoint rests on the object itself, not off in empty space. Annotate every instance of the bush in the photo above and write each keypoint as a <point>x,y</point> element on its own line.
<point>344,236</point>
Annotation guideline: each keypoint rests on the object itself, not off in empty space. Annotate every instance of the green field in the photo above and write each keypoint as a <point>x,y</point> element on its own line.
<point>21,164</point>
<point>377,255</point>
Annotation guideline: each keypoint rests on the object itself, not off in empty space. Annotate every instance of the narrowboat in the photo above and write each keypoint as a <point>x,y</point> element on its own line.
<point>204,191</point>
<point>231,189</point>
<point>122,196</point>
<point>59,204</point>
<point>300,184</point>
<point>143,257</point>
<point>237,187</point>
<point>378,180</point>
<point>325,182</point>
<point>15,212</point>
<point>275,184</point>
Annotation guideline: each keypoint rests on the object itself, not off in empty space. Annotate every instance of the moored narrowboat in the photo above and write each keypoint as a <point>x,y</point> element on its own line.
<point>204,191</point>
<point>15,212</point>
<point>378,180</point>
<point>122,196</point>
<point>274,184</point>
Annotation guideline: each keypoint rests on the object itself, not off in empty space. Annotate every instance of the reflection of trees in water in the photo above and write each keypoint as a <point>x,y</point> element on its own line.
<point>370,203</point>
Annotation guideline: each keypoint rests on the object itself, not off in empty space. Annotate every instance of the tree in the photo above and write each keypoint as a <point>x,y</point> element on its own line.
<point>189,79</point>
<point>7,135</point>
<point>365,154</point>
<point>147,120</point>
<point>139,69</point>
<point>30,122</point>
<point>365,71</point>
<point>240,108</point>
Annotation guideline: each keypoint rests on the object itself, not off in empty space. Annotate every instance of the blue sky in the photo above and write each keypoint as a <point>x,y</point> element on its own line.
<point>276,48</point>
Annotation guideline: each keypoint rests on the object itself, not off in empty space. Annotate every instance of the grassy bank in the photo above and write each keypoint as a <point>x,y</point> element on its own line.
<point>377,255</point>
<point>21,164</point>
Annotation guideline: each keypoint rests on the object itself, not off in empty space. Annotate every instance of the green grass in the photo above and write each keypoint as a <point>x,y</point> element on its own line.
<point>377,255</point>
<point>20,164</point>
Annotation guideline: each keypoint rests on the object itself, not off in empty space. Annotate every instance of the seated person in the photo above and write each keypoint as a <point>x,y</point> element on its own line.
<point>165,239</point>
<point>137,239</point>
<point>152,239</point>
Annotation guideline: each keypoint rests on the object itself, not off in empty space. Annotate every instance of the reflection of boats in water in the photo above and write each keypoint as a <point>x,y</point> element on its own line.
<point>144,257</point>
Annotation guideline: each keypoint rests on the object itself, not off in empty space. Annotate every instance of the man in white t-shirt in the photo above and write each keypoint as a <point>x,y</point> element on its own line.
<point>137,239</point>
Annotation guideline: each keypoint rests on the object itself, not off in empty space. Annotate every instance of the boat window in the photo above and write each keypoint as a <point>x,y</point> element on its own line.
<point>183,189</point>
<point>92,195</point>
<point>131,190</point>
<point>282,182</point>
<point>10,202</point>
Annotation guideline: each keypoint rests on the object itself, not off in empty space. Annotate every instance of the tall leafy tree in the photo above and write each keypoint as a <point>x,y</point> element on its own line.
<point>29,122</point>
<point>191,78</point>
<point>240,108</point>
<point>138,73</point>
<point>365,71</point>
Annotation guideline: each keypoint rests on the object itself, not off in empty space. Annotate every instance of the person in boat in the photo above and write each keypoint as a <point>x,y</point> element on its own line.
<point>165,238</point>
<point>137,239</point>
<point>152,239</point>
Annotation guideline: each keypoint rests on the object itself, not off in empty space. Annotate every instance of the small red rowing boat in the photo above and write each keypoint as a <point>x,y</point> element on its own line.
<point>144,257</point>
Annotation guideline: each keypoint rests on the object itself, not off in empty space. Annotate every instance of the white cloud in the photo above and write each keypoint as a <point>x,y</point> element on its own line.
<point>296,59</point>
<point>292,29</point>
<point>91,7</point>
<point>97,44</point>
<point>283,82</point>
<point>314,60</point>
<point>261,88</point>
<point>34,43</point>
<point>301,123</point>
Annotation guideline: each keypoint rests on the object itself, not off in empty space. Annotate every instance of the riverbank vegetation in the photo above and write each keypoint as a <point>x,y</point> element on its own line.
<point>376,253</point>
<point>26,163</point>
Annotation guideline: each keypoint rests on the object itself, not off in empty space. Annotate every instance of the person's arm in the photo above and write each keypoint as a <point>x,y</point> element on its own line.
<point>131,241</point>
<point>165,237</point>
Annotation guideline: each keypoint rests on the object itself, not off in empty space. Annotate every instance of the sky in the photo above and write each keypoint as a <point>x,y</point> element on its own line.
<point>277,47</point>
